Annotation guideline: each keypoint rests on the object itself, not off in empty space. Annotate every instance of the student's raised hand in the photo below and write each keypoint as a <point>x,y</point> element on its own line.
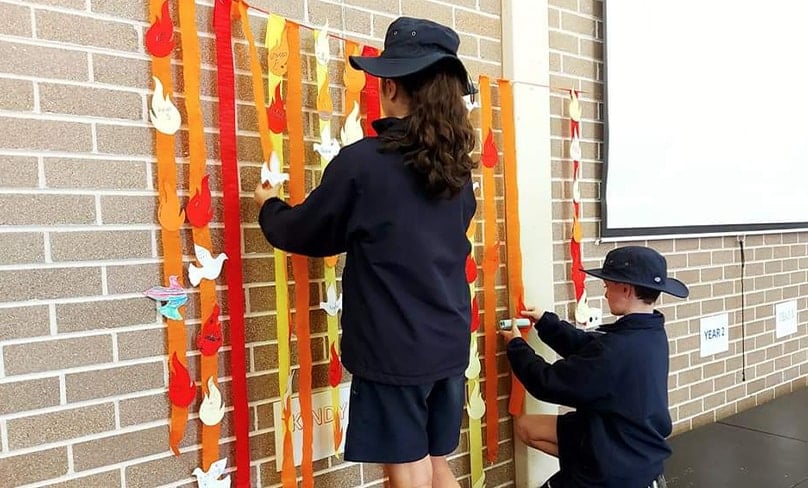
<point>531,313</point>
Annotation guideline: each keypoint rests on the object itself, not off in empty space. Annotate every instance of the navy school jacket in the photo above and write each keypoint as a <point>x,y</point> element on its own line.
<point>406,305</point>
<point>617,380</point>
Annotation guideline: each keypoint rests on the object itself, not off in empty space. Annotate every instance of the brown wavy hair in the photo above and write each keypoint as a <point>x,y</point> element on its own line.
<point>438,136</point>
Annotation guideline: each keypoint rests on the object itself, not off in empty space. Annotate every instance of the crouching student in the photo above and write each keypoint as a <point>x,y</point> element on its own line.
<point>616,379</point>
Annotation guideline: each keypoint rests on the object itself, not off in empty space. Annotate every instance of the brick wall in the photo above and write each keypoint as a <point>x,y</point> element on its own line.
<point>702,390</point>
<point>82,354</point>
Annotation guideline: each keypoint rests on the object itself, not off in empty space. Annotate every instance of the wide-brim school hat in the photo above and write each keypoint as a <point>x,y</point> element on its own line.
<point>640,266</point>
<point>412,45</point>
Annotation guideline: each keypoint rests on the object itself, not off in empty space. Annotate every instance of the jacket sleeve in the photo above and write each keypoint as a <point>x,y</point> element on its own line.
<point>318,227</point>
<point>579,380</point>
<point>563,337</point>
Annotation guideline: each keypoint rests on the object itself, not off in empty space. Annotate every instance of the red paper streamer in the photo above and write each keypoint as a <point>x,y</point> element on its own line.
<point>370,94</point>
<point>232,235</point>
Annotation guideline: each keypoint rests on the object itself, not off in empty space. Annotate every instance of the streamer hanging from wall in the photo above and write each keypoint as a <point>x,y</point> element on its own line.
<point>582,311</point>
<point>232,234</point>
<point>489,159</point>
<point>476,406</point>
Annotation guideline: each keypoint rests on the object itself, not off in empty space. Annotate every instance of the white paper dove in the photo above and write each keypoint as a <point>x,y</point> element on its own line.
<point>211,411</point>
<point>473,369</point>
<point>210,479</point>
<point>352,130</point>
<point>333,305</point>
<point>327,147</point>
<point>321,48</point>
<point>582,310</point>
<point>163,114</point>
<point>470,106</point>
<point>271,172</point>
<point>210,266</point>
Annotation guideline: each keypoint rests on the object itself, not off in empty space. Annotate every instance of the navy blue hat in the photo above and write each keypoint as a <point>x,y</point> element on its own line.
<point>412,45</point>
<point>640,266</point>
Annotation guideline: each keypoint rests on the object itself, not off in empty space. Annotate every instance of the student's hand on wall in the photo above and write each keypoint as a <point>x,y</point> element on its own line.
<point>262,194</point>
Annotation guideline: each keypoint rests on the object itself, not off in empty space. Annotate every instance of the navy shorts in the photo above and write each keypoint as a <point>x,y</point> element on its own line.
<point>393,424</point>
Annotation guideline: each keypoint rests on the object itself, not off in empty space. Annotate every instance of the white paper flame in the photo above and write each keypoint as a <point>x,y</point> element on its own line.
<point>163,114</point>
<point>352,130</point>
<point>476,406</point>
<point>271,172</point>
<point>211,411</point>
<point>321,48</point>
<point>574,107</point>
<point>473,369</point>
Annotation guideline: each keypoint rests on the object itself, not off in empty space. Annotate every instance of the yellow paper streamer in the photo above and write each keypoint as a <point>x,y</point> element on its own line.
<point>473,389</point>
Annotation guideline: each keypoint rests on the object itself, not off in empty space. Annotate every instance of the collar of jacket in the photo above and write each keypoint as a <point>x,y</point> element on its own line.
<point>389,124</point>
<point>636,321</point>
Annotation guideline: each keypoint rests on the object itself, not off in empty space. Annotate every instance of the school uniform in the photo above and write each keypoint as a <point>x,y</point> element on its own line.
<point>616,378</point>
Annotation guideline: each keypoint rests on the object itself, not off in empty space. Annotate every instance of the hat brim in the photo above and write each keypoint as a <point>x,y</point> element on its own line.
<point>672,286</point>
<point>385,67</point>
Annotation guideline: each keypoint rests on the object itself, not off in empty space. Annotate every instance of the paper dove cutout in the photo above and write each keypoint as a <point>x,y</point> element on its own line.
<point>210,479</point>
<point>210,267</point>
<point>352,130</point>
<point>473,369</point>
<point>163,114</point>
<point>321,48</point>
<point>333,305</point>
<point>174,296</point>
<point>470,106</point>
<point>271,172</point>
<point>327,147</point>
<point>211,410</point>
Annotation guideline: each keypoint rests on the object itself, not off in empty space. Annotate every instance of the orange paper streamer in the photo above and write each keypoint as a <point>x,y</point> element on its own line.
<point>512,235</point>
<point>170,236</point>
<point>300,264</point>
<point>197,184</point>
<point>490,266</point>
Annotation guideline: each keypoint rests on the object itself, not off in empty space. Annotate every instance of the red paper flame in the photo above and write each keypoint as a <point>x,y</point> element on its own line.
<point>181,390</point>
<point>160,36</point>
<point>335,368</point>
<point>490,156</point>
<point>209,339</point>
<point>370,94</point>
<point>471,269</point>
<point>475,315</point>
<point>199,210</point>
<point>578,276</point>
<point>276,113</point>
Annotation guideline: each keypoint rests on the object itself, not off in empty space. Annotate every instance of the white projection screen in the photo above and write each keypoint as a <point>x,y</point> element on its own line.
<point>706,114</point>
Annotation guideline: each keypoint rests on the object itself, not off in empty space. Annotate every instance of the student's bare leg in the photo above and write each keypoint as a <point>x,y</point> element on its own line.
<point>417,474</point>
<point>538,432</point>
<point>442,476</point>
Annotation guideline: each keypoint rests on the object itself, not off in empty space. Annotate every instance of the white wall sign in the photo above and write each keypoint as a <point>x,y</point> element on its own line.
<point>323,437</point>
<point>785,316</point>
<point>714,334</point>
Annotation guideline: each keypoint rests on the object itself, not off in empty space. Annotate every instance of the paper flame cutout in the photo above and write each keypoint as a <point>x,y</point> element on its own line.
<point>276,112</point>
<point>575,148</point>
<point>476,406</point>
<point>582,311</point>
<point>475,314</point>
<point>321,48</point>
<point>474,367</point>
<point>470,106</point>
<point>324,106</point>
<point>163,114</point>
<point>334,367</point>
<point>211,410</point>
<point>169,213</point>
<point>210,479</point>
<point>353,79</point>
<point>181,389</point>
<point>210,339</point>
<point>574,106</point>
<point>209,268</point>
<point>271,173</point>
<point>174,296</point>
<point>333,303</point>
<point>331,261</point>
<point>279,55</point>
<point>160,35</point>
<point>490,156</point>
<point>327,147</point>
<point>199,210</point>
<point>471,269</point>
<point>352,130</point>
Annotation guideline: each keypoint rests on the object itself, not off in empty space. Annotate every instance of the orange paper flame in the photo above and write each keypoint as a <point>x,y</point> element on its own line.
<point>490,156</point>
<point>181,390</point>
<point>209,339</point>
<point>334,368</point>
<point>199,210</point>
<point>353,78</point>
<point>276,112</point>
<point>169,213</point>
<point>160,36</point>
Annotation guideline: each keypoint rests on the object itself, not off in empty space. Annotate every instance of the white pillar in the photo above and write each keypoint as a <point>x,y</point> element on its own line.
<point>525,47</point>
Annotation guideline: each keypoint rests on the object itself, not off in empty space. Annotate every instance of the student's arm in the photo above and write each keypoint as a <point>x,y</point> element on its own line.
<point>562,337</point>
<point>579,380</point>
<point>317,227</point>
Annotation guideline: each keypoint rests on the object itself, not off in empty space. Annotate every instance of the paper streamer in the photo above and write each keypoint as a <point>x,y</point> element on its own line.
<point>232,235</point>
<point>199,213</point>
<point>354,83</point>
<point>578,277</point>
<point>324,103</point>
<point>490,266</point>
<point>476,406</point>
<point>370,94</point>
<point>277,40</point>
<point>516,292</point>
<point>161,47</point>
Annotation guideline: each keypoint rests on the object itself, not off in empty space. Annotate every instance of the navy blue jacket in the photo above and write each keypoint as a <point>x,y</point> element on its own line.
<point>617,380</point>
<point>406,305</point>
